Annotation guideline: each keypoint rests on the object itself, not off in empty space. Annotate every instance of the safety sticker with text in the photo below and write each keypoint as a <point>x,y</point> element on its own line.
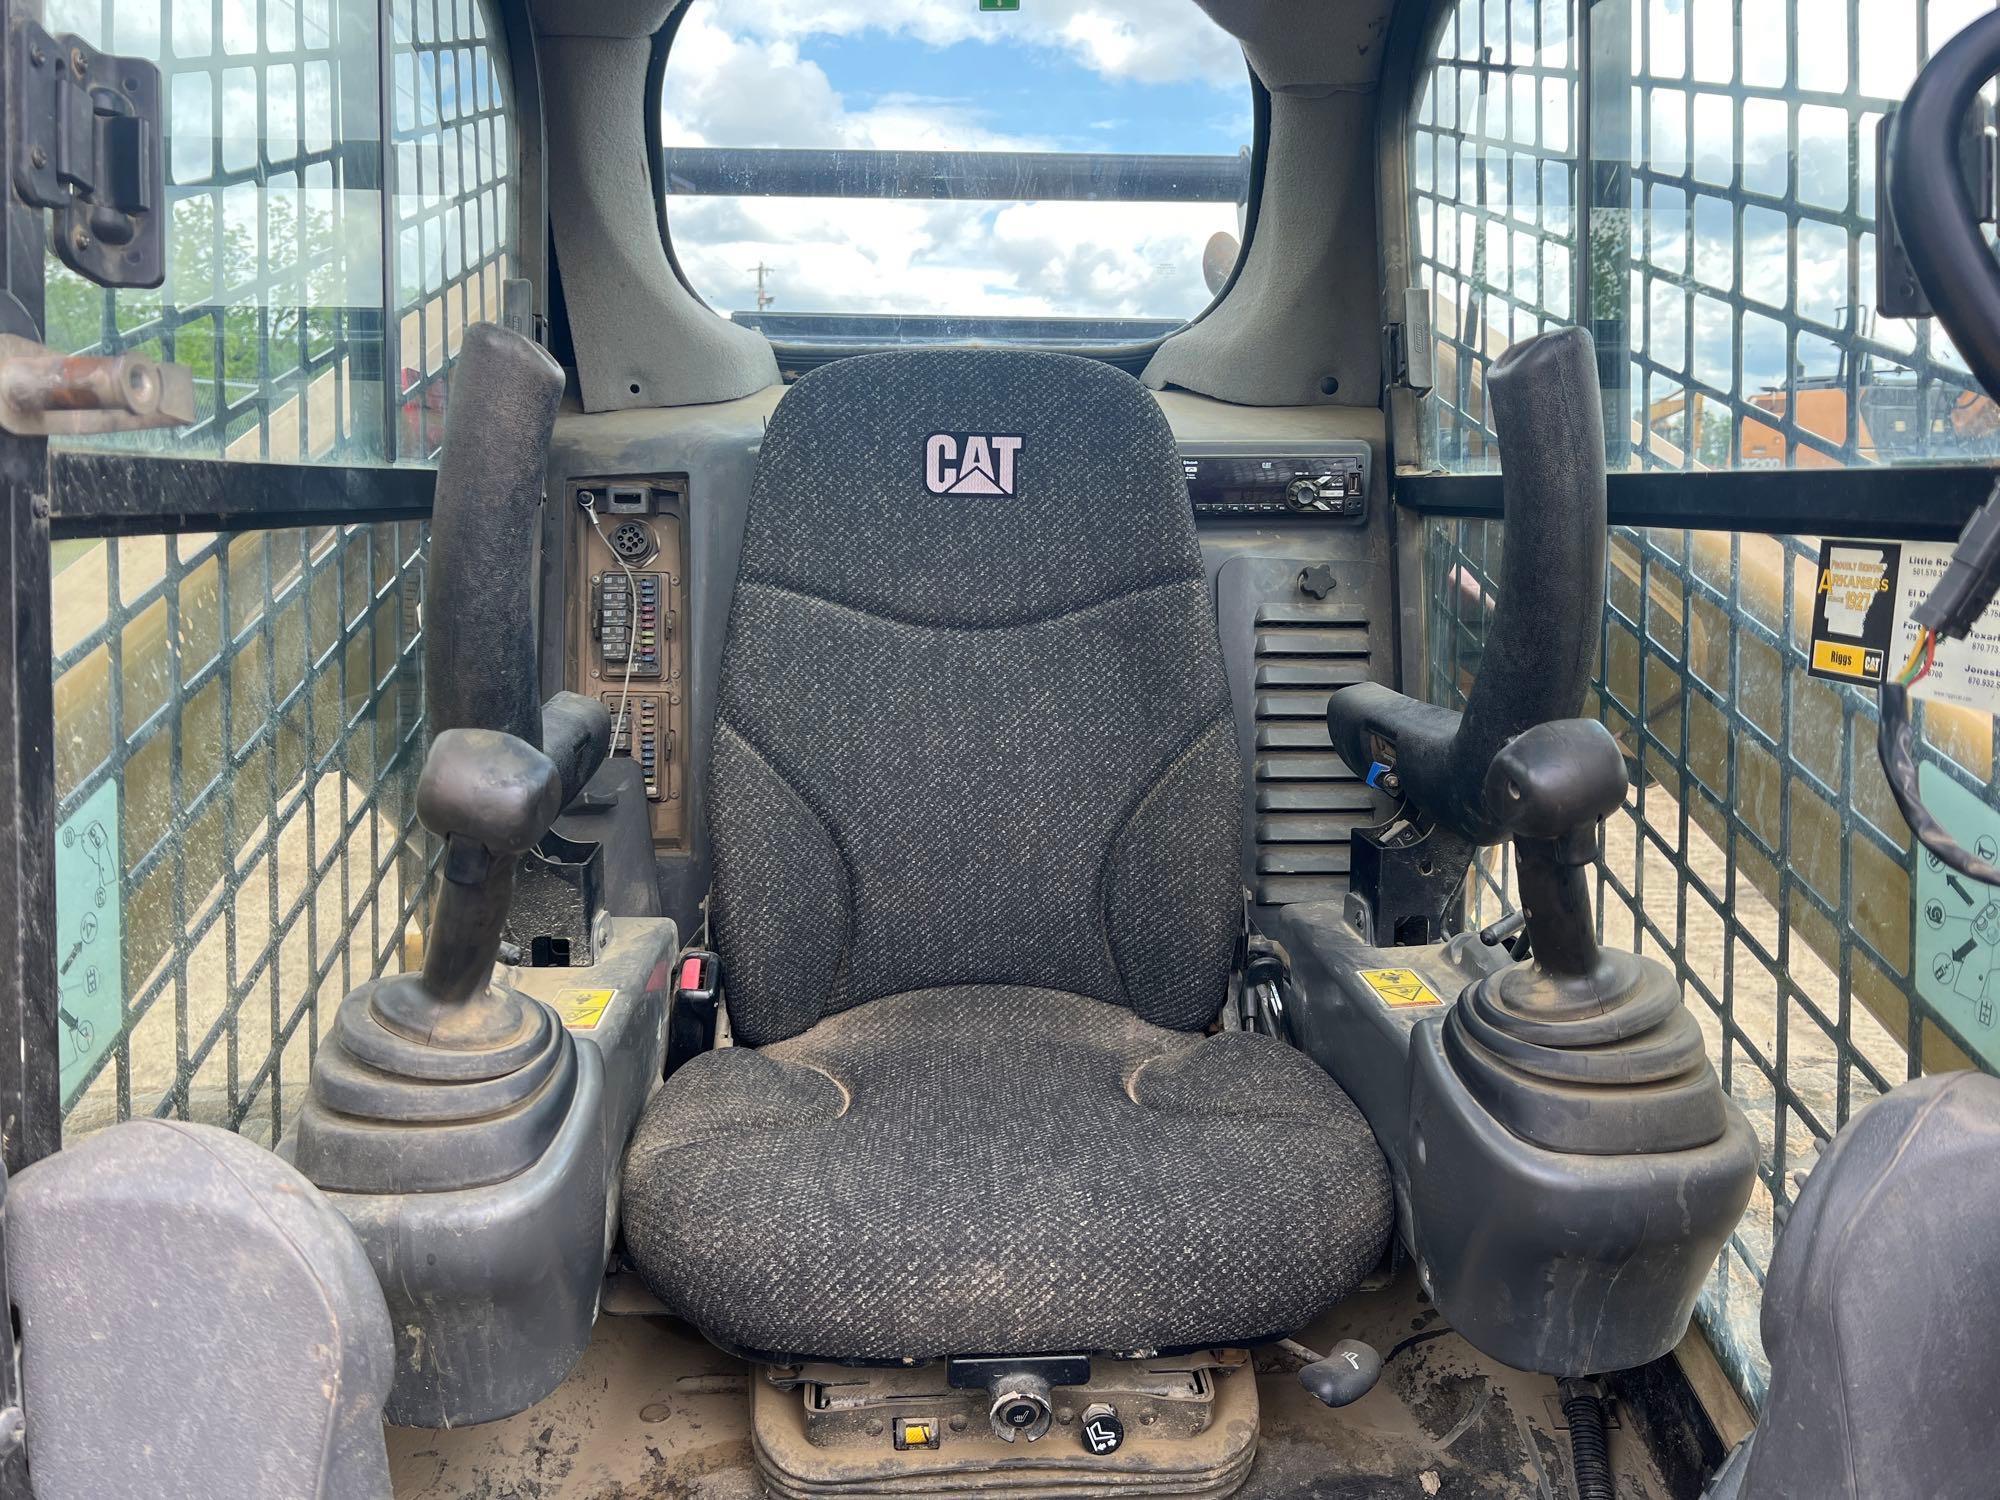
<point>1400,987</point>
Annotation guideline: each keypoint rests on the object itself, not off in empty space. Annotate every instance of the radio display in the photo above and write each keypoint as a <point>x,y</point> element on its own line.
<point>1324,483</point>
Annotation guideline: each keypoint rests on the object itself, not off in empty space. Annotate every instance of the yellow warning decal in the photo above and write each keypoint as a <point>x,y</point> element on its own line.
<point>583,1009</point>
<point>1400,987</point>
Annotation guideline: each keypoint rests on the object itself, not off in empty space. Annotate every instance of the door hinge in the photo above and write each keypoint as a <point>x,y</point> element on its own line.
<point>88,147</point>
<point>1408,353</point>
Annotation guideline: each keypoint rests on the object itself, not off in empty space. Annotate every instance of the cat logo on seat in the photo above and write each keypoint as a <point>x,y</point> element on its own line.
<point>971,463</point>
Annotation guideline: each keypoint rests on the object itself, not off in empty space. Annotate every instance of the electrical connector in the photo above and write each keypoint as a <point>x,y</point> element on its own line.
<point>1966,591</point>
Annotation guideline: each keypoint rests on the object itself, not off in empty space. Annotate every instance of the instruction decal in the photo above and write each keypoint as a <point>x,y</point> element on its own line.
<point>90,938</point>
<point>1958,922</point>
<point>1864,623</point>
<point>583,1009</point>
<point>1400,988</point>
<point>1854,611</point>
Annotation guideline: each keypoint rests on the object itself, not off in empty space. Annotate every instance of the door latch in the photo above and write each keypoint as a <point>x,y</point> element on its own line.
<point>1407,354</point>
<point>88,134</point>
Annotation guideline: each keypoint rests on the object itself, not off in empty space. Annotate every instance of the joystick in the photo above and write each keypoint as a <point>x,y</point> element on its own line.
<point>446,1079</point>
<point>1580,1048</point>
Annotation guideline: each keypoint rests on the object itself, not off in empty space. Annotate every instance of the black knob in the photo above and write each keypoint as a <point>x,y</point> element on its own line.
<point>1304,494</point>
<point>1348,1373</point>
<point>1103,1431</point>
<point>1021,1407</point>
<point>1318,581</point>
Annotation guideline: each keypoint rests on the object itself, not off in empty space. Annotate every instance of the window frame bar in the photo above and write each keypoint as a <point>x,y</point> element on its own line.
<point>105,494</point>
<point>30,1067</point>
<point>1923,504</point>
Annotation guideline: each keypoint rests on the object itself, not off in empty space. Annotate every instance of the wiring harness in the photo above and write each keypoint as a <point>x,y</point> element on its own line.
<point>1961,598</point>
<point>1944,236</point>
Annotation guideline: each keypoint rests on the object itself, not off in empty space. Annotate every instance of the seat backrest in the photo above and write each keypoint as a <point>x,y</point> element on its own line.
<point>972,724</point>
<point>1884,1351</point>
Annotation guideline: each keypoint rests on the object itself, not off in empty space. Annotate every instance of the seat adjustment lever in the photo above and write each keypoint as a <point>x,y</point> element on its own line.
<point>1340,1377</point>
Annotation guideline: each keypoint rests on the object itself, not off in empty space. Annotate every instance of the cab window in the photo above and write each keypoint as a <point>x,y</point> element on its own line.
<point>1049,181</point>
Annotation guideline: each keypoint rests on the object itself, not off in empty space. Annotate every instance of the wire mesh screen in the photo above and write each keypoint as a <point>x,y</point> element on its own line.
<point>452,159</point>
<point>1722,154</point>
<point>1724,151</point>
<point>239,718</point>
<point>239,729</point>
<point>1749,172</point>
<point>1494,188</point>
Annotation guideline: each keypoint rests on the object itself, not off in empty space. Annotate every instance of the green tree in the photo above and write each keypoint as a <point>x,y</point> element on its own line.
<point>208,316</point>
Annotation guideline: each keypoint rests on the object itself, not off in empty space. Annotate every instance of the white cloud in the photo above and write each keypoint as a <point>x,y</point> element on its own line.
<point>1058,259</point>
<point>1148,41</point>
<point>736,77</point>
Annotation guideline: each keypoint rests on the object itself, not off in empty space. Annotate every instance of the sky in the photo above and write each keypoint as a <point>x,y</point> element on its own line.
<point>1146,76</point>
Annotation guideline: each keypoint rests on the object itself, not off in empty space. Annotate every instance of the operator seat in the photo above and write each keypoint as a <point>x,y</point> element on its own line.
<point>975,798</point>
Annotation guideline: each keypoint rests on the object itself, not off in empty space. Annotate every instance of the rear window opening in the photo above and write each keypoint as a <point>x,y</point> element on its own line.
<point>855,173</point>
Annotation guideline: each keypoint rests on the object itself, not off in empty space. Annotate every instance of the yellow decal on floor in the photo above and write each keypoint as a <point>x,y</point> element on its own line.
<point>1400,987</point>
<point>583,1009</point>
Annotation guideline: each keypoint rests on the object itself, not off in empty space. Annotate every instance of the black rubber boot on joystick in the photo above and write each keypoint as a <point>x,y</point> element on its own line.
<point>445,1079</point>
<point>1580,1049</point>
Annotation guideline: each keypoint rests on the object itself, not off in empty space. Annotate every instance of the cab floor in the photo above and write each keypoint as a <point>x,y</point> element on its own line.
<point>652,1412</point>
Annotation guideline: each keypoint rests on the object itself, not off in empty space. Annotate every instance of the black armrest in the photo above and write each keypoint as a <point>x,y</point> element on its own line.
<point>1375,725</point>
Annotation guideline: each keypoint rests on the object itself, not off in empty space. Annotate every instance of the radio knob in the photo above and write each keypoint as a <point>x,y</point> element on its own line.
<point>1303,494</point>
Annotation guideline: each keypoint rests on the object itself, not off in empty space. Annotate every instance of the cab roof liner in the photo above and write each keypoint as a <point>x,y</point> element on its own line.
<point>1308,46</point>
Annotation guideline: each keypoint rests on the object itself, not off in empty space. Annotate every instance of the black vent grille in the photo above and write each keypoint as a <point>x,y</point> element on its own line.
<point>1308,802</point>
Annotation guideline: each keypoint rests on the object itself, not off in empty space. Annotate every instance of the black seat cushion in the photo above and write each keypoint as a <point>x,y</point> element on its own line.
<point>1001,1170</point>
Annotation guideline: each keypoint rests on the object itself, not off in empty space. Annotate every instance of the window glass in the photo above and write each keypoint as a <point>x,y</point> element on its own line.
<point>1728,272</point>
<point>452,171</point>
<point>851,171</point>
<point>283,294</point>
<point>1494,197</point>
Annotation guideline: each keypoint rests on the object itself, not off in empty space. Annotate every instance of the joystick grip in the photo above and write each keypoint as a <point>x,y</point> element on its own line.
<point>1557,781</point>
<point>490,797</point>
<point>489,790</point>
<point>1550,788</point>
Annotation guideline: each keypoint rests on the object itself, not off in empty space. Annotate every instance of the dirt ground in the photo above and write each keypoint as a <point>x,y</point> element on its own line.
<point>653,1411</point>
